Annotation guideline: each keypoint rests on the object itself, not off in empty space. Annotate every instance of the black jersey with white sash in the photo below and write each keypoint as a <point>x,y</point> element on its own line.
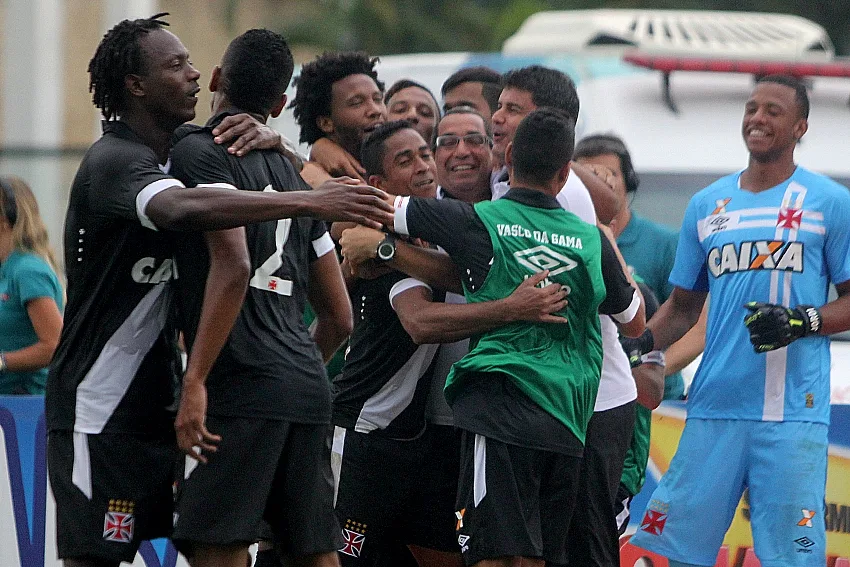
<point>115,369</point>
<point>269,366</point>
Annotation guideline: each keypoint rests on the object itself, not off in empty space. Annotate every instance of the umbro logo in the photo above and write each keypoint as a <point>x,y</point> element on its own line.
<point>805,544</point>
<point>719,221</point>
<point>542,258</point>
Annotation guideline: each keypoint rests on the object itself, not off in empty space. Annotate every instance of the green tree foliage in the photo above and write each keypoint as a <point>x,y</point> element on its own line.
<point>417,26</point>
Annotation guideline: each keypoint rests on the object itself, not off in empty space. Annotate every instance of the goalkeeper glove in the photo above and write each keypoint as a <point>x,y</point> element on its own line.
<point>635,348</point>
<point>774,326</point>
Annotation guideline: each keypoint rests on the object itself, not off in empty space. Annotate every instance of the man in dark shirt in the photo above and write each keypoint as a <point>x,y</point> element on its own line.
<point>544,376</point>
<point>379,398</point>
<point>111,446</point>
<point>269,397</point>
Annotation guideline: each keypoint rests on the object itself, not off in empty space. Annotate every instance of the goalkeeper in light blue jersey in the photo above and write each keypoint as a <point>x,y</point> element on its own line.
<point>766,243</point>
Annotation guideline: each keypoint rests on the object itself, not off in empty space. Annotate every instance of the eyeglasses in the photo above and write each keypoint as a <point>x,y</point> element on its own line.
<point>474,139</point>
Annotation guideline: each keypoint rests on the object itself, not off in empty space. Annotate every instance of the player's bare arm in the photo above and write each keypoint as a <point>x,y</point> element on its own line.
<point>428,265</point>
<point>836,314</point>
<point>227,281</point>
<point>245,133</point>
<point>208,208</point>
<point>335,160</point>
<point>329,299</point>
<point>676,316</point>
<point>429,322</point>
<point>649,379</point>
<point>636,326</point>
<point>685,350</point>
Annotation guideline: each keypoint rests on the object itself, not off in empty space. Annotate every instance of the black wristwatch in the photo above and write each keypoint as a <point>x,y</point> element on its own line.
<point>386,248</point>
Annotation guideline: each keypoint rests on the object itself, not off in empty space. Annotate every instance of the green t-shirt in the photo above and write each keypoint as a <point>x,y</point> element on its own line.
<point>634,465</point>
<point>650,250</point>
<point>557,366</point>
<point>23,277</point>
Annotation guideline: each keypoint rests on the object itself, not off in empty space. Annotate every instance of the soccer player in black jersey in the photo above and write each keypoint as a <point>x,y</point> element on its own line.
<point>515,497</point>
<point>269,396</point>
<point>379,398</point>
<point>111,445</point>
<point>386,493</point>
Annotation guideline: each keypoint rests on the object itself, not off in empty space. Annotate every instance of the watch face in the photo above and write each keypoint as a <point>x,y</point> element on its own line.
<point>386,250</point>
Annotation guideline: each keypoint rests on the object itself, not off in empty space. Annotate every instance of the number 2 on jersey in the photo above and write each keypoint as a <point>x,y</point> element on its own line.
<point>263,278</point>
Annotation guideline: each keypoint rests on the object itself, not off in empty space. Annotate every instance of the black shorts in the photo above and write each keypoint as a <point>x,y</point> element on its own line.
<point>112,492</point>
<point>623,509</point>
<point>594,541</point>
<point>264,471</point>
<point>382,498</point>
<point>435,490</point>
<point>514,501</point>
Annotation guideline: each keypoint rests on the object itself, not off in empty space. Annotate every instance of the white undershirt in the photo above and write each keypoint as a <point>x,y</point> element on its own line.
<point>616,386</point>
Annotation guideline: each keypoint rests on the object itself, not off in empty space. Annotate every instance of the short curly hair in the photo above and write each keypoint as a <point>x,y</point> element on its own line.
<point>313,87</point>
<point>255,70</point>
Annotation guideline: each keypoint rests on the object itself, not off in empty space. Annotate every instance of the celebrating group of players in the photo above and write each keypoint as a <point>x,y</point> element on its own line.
<point>485,407</point>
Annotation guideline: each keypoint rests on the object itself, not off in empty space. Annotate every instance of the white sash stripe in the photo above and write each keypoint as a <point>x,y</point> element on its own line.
<point>81,469</point>
<point>336,457</point>
<point>109,378</point>
<point>479,486</point>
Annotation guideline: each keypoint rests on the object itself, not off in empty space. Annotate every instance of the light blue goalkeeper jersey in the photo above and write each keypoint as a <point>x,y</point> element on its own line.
<point>783,245</point>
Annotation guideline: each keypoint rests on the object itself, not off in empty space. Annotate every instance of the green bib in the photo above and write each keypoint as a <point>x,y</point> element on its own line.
<point>556,365</point>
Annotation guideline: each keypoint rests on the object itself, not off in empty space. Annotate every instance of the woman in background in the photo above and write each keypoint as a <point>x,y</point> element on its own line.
<point>31,297</point>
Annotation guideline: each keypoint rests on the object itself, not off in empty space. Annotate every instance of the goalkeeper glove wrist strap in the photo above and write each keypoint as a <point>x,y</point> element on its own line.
<point>812,319</point>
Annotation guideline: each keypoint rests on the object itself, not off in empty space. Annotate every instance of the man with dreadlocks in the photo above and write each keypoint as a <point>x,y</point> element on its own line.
<point>110,392</point>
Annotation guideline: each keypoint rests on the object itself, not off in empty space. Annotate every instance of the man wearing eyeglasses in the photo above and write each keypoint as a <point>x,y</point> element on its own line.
<point>524,394</point>
<point>396,483</point>
<point>463,155</point>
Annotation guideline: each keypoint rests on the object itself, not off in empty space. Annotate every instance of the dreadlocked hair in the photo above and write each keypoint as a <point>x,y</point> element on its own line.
<point>313,87</point>
<point>118,55</point>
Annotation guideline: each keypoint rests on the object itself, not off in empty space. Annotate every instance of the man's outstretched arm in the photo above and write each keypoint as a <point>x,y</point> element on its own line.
<point>429,322</point>
<point>676,316</point>
<point>213,208</point>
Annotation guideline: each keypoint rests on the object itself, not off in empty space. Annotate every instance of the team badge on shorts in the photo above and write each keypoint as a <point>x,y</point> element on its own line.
<point>119,521</point>
<point>655,518</point>
<point>353,536</point>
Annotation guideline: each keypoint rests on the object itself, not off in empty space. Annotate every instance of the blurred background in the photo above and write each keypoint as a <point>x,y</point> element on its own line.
<point>47,119</point>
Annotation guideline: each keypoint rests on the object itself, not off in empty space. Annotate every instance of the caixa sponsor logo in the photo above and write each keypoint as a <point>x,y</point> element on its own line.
<point>756,255</point>
<point>153,271</point>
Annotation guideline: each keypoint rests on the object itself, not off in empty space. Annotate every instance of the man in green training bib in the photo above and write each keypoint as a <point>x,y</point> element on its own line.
<point>525,392</point>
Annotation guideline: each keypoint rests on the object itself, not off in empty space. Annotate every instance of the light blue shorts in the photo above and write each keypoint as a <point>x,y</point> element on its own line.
<point>783,464</point>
